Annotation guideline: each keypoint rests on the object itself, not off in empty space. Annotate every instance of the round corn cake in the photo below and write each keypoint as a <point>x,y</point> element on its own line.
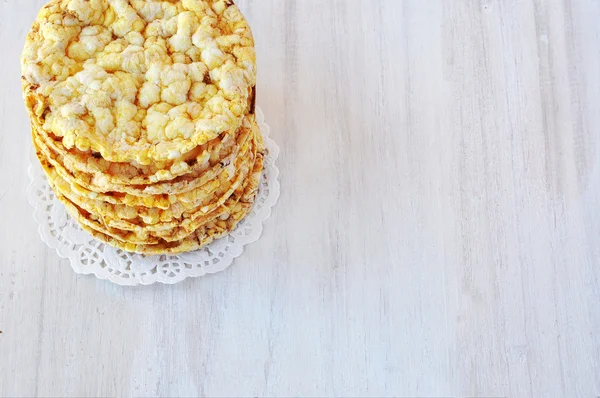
<point>139,80</point>
<point>143,118</point>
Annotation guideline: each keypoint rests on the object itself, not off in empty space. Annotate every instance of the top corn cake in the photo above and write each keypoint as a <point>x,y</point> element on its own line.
<point>138,81</point>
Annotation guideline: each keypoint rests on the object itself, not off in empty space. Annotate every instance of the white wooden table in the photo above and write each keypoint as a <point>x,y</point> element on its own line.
<point>438,232</point>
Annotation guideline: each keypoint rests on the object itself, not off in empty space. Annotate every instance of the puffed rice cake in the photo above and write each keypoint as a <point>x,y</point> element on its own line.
<point>142,115</point>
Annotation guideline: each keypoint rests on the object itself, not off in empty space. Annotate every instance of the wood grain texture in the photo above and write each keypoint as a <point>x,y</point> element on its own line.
<point>438,232</point>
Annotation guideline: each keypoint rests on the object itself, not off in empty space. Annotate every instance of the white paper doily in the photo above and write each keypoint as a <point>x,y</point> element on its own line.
<point>89,256</point>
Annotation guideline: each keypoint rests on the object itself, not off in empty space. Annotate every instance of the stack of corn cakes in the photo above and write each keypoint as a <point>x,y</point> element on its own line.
<point>142,115</point>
